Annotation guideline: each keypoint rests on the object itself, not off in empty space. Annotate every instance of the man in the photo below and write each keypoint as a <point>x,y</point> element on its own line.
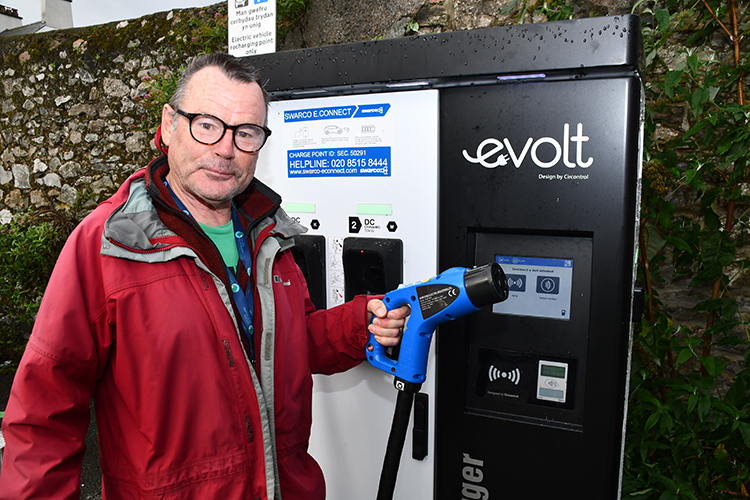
<point>202,391</point>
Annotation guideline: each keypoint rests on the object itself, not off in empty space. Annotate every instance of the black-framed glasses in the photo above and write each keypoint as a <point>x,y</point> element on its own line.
<point>208,130</point>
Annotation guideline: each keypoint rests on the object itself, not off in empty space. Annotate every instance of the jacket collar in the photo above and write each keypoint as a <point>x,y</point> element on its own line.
<point>254,204</point>
<point>147,219</point>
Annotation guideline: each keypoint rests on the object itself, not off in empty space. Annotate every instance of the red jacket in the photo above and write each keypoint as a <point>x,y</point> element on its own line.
<point>137,315</point>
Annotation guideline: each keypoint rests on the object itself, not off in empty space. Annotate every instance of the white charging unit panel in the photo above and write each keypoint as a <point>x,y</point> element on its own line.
<point>361,166</point>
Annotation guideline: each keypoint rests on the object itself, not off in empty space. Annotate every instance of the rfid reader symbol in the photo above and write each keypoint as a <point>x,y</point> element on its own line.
<point>516,282</point>
<point>514,375</point>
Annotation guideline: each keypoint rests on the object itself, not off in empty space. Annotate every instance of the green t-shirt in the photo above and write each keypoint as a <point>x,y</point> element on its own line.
<point>223,238</point>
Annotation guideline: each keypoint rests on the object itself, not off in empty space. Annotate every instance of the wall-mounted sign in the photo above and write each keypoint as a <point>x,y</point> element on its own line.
<point>252,27</point>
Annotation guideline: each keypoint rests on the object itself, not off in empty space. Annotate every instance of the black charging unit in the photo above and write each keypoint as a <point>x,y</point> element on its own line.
<point>539,167</point>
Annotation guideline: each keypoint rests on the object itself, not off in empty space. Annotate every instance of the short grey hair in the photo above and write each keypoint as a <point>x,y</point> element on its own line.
<point>235,68</point>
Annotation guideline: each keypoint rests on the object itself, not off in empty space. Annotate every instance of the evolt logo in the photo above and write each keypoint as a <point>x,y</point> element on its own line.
<point>489,152</point>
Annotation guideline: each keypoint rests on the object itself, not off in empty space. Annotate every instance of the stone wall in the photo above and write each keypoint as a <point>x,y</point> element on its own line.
<point>73,114</point>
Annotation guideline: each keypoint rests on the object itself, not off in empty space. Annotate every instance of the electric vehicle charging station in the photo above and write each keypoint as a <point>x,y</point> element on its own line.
<point>518,145</point>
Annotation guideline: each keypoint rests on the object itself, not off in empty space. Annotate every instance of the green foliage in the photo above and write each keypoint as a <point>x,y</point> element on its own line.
<point>412,27</point>
<point>552,10</point>
<point>289,14</point>
<point>556,10</point>
<point>208,32</point>
<point>689,413</point>
<point>162,87</point>
<point>29,247</point>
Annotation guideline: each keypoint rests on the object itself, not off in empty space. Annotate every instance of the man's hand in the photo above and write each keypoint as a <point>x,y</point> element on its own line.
<point>386,326</point>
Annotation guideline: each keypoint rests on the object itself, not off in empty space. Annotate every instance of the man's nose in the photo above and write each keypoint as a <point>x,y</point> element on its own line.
<point>225,147</point>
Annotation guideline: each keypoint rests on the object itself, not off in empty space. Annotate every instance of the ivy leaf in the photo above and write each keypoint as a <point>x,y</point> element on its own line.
<point>650,399</point>
<point>704,408</point>
<point>721,452</point>
<point>671,81</point>
<point>744,429</point>
<point>730,341</point>
<point>737,147</point>
<point>670,159</point>
<point>692,63</point>
<point>736,193</point>
<point>684,355</point>
<point>718,250</point>
<point>695,37</point>
<point>710,196</point>
<point>654,240</point>
<point>652,420</point>
<point>714,366</point>
<point>694,180</point>
<point>509,8</point>
<point>666,214</point>
<point>692,401</point>
<point>711,219</point>
<point>678,243</point>
<point>722,326</point>
<point>736,395</point>
<point>698,99</point>
<point>667,424</point>
<point>662,20</point>
<point>700,125</point>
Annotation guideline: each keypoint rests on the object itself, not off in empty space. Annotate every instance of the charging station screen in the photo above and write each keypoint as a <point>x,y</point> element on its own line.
<point>538,287</point>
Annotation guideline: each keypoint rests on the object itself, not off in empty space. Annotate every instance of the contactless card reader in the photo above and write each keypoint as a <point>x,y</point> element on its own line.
<point>552,382</point>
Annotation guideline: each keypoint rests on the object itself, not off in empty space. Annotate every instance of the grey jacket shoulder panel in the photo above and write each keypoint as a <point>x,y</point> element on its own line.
<point>286,226</point>
<point>129,231</point>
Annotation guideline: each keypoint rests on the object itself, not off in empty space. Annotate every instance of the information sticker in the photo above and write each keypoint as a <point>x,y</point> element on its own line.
<point>340,162</point>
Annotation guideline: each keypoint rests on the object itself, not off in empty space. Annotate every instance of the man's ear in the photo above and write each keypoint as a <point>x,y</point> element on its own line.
<point>166,124</point>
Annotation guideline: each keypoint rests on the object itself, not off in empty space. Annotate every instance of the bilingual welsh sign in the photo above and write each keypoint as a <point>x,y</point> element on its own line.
<point>252,27</point>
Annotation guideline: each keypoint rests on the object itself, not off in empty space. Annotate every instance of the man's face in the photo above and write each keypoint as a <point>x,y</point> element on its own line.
<point>212,175</point>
